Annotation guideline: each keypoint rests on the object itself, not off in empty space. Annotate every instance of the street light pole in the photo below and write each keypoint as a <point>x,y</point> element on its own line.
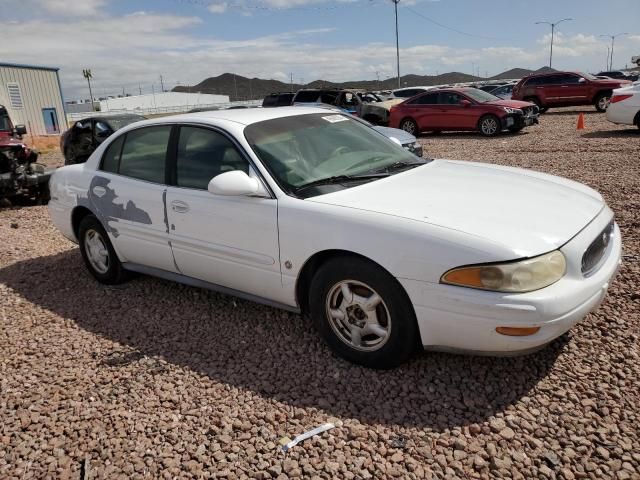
<point>395,4</point>
<point>613,40</point>
<point>553,30</point>
<point>86,73</point>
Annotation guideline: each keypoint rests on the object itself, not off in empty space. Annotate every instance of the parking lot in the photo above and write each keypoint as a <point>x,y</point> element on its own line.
<point>152,379</point>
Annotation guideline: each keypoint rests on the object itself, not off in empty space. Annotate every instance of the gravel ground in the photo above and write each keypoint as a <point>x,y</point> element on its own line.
<point>156,380</point>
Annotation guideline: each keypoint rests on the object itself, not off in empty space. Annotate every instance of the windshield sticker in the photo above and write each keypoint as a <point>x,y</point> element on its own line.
<point>335,118</point>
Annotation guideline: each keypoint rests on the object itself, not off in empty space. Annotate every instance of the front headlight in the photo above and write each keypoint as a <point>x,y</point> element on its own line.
<point>512,110</point>
<point>522,276</point>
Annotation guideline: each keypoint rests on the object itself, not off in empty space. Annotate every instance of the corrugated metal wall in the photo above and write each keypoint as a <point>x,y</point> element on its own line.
<point>40,90</point>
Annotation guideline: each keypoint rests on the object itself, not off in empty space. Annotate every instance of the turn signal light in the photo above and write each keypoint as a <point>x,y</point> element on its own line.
<point>517,331</point>
<point>619,98</point>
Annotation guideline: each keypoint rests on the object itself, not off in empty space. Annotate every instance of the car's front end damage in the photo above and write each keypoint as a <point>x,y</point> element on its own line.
<point>518,118</point>
<point>20,175</point>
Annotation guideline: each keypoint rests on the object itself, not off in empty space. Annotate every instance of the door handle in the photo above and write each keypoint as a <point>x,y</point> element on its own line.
<point>179,207</point>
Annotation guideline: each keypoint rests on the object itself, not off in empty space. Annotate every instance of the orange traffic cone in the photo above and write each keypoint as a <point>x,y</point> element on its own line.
<point>580,121</point>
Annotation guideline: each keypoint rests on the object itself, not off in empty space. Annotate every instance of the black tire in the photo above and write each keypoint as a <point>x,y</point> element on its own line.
<point>394,311</point>
<point>409,125</point>
<point>601,102</point>
<point>536,100</point>
<point>515,129</point>
<point>489,125</point>
<point>114,272</point>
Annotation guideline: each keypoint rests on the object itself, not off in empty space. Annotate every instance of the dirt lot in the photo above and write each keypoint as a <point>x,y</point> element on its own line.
<point>157,380</point>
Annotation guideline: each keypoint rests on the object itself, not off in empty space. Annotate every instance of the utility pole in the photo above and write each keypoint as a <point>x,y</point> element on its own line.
<point>395,4</point>
<point>161,83</point>
<point>87,74</point>
<point>553,29</point>
<point>235,86</point>
<point>377,80</point>
<point>613,40</point>
<point>140,89</point>
<point>291,80</point>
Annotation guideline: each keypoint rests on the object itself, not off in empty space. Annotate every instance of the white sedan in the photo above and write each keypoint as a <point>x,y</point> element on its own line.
<point>624,107</point>
<point>316,212</point>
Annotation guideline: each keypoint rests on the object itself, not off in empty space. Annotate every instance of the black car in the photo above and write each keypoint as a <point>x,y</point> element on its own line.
<point>616,75</point>
<point>87,134</point>
<point>278,99</point>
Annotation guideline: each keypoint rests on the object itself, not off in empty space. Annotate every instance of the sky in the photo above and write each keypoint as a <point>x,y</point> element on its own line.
<point>129,44</point>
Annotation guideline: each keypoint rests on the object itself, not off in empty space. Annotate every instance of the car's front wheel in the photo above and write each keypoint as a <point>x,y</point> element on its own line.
<point>98,253</point>
<point>363,313</point>
<point>489,125</point>
<point>410,126</point>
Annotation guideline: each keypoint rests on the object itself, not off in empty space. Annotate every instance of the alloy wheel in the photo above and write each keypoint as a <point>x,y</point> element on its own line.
<point>358,315</point>
<point>409,127</point>
<point>96,250</point>
<point>489,126</point>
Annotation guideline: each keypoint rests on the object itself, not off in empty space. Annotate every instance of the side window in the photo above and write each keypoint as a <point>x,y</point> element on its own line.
<point>405,93</point>
<point>532,82</point>
<point>204,154</point>
<point>449,98</point>
<point>144,154</point>
<point>111,157</point>
<point>570,79</point>
<point>429,99</point>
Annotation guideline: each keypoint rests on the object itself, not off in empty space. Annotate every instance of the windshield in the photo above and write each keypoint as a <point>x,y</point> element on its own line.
<point>118,122</point>
<point>480,96</point>
<point>301,149</point>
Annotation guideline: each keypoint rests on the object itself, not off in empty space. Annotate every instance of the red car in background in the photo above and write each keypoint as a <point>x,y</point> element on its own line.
<point>566,89</point>
<point>462,109</point>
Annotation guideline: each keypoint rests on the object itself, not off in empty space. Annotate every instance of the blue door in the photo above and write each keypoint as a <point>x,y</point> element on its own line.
<point>50,120</point>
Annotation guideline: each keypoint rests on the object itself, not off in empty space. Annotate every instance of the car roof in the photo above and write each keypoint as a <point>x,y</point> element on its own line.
<point>106,118</point>
<point>244,116</point>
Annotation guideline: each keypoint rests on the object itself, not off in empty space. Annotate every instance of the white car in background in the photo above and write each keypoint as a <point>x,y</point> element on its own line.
<point>408,92</point>
<point>624,107</point>
<point>313,211</point>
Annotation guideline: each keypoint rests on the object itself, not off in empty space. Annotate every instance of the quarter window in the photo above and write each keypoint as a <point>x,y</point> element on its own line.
<point>144,153</point>
<point>204,154</point>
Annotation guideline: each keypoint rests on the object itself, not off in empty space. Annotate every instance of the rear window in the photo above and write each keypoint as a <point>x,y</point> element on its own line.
<point>307,97</point>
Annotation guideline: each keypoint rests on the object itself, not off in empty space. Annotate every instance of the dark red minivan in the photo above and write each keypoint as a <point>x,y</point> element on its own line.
<point>452,109</point>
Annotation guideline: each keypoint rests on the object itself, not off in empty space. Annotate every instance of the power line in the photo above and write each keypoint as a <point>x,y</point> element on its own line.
<point>446,27</point>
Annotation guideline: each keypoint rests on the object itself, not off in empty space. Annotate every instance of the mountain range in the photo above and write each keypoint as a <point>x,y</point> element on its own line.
<point>238,87</point>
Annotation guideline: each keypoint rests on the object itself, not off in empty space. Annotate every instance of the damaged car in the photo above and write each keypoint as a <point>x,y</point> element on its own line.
<point>78,142</point>
<point>21,177</point>
<point>315,212</point>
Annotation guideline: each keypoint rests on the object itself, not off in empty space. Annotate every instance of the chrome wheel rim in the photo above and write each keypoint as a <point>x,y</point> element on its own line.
<point>96,249</point>
<point>358,315</point>
<point>408,127</point>
<point>603,103</point>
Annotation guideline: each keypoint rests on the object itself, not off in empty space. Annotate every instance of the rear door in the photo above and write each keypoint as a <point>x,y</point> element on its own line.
<point>127,194</point>
<point>230,241</point>
<point>424,110</point>
<point>553,89</point>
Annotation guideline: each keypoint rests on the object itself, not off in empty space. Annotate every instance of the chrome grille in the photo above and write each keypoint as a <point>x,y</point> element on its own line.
<point>594,254</point>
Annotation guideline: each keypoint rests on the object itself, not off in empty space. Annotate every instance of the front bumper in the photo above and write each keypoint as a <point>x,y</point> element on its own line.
<point>519,120</point>
<point>462,319</point>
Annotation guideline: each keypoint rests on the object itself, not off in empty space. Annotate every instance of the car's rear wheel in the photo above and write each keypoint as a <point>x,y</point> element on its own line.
<point>98,253</point>
<point>409,125</point>
<point>489,125</point>
<point>602,102</point>
<point>363,313</point>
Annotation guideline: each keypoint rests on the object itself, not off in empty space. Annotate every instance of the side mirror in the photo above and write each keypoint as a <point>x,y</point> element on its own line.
<point>582,80</point>
<point>234,183</point>
<point>20,130</point>
<point>395,140</point>
<point>465,103</point>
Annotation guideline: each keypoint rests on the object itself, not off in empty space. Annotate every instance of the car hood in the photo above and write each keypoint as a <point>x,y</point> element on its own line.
<point>404,137</point>
<point>510,103</point>
<point>612,83</point>
<point>527,212</point>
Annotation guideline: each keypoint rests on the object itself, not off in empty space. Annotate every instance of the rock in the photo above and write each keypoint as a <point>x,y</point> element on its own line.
<point>507,433</point>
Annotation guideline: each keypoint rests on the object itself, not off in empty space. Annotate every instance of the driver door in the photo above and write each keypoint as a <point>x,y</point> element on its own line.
<point>230,241</point>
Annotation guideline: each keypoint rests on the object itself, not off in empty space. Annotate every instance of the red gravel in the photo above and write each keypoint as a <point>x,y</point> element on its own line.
<point>156,380</point>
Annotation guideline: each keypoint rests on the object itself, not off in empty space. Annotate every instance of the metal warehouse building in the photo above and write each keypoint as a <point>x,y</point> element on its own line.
<point>32,95</point>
